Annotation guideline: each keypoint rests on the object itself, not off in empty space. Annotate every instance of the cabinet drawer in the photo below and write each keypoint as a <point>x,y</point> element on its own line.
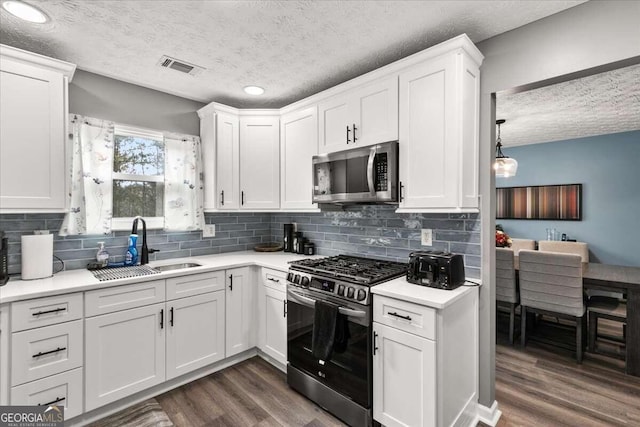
<point>41,352</point>
<point>406,316</point>
<point>118,298</point>
<point>63,389</point>
<point>195,284</point>
<point>35,313</point>
<point>274,279</point>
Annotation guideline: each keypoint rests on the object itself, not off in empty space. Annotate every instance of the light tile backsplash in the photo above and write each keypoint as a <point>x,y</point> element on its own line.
<point>377,231</point>
<point>371,230</point>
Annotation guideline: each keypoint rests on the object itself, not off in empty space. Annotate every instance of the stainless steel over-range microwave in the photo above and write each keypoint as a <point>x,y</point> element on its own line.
<point>359,175</point>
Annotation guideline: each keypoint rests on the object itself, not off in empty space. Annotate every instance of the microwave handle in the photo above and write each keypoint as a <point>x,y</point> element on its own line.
<point>370,165</point>
<point>310,302</point>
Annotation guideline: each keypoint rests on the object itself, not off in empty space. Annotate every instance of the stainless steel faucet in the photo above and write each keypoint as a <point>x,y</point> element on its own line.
<point>144,254</point>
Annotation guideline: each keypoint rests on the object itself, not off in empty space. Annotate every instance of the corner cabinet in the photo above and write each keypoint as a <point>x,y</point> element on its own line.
<point>298,145</point>
<point>362,116</point>
<point>33,117</point>
<point>439,130</point>
<point>259,162</point>
<point>241,156</point>
<point>240,310</point>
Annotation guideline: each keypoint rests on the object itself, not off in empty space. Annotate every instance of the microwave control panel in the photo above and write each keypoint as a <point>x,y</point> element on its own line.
<point>381,171</point>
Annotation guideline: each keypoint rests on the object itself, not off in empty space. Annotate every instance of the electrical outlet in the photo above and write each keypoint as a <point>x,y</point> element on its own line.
<point>427,237</point>
<point>209,230</point>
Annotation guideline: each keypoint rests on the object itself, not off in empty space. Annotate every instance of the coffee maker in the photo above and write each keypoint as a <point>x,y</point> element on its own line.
<point>287,239</point>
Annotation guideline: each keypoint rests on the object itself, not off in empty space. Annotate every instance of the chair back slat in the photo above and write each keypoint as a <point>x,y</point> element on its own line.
<point>551,281</point>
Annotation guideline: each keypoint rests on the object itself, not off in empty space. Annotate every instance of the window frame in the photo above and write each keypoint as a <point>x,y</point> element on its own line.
<point>125,223</point>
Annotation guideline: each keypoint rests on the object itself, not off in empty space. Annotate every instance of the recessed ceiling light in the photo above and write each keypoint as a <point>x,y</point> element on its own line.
<point>25,11</point>
<point>254,90</point>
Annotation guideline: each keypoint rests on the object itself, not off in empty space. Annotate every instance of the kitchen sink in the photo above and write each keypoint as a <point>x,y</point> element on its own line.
<point>180,266</point>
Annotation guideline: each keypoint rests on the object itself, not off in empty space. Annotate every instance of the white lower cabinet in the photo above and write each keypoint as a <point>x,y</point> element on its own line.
<point>240,311</point>
<point>273,324</point>
<point>124,354</point>
<point>404,378</point>
<point>63,389</point>
<point>195,332</point>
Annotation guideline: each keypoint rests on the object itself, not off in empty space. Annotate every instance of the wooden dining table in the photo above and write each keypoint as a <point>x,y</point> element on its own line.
<point>619,279</point>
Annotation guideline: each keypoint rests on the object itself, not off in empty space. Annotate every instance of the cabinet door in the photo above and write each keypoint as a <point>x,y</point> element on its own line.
<point>32,137</point>
<point>298,145</point>
<point>273,323</point>
<point>404,378</point>
<point>260,162</point>
<point>429,151</point>
<point>124,353</point>
<point>335,117</point>
<point>195,332</point>
<point>240,309</point>
<point>375,109</point>
<point>227,161</point>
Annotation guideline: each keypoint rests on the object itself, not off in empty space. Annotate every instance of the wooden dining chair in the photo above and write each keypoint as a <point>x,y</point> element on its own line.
<point>506,290</point>
<point>551,284</point>
<point>577,248</point>
<point>518,244</point>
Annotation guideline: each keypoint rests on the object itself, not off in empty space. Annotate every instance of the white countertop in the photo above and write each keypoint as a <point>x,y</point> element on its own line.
<point>431,297</point>
<point>83,280</point>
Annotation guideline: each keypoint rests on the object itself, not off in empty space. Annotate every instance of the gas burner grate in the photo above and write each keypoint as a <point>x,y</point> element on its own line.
<point>366,271</point>
<point>116,273</point>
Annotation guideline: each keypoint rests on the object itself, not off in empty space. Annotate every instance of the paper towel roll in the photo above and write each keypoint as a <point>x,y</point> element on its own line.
<point>37,256</point>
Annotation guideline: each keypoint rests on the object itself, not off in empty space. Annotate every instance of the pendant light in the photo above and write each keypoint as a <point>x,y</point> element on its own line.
<point>504,166</point>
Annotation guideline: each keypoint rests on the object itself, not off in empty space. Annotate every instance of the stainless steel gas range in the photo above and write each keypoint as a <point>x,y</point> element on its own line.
<point>343,383</point>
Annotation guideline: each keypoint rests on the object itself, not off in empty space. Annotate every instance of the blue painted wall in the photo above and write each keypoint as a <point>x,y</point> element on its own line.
<point>608,167</point>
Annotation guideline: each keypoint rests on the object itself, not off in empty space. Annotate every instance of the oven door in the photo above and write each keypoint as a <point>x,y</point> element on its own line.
<point>348,373</point>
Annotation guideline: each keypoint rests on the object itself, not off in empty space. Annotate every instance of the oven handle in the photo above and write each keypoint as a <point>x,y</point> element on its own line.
<point>310,302</point>
<point>370,163</point>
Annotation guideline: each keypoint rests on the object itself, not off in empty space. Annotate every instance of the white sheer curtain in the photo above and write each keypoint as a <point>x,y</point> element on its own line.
<point>90,198</point>
<point>183,183</point>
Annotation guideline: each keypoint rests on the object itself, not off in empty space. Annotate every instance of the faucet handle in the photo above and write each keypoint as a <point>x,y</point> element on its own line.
<point>151,250</point>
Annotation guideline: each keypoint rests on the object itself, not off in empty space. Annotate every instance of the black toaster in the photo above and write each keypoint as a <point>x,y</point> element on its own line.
<point>442,270</point>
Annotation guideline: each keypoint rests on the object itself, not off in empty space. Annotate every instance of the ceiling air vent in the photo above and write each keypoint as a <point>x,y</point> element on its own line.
<point>175,64</point>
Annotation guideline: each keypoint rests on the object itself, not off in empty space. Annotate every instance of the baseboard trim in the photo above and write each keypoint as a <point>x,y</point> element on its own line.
<point>489,416</point>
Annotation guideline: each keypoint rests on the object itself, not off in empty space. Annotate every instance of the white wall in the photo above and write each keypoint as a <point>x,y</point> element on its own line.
<point>590,35</point>
<point>102,97</point>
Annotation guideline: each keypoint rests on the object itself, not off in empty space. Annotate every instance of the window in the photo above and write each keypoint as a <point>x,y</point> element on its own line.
<point>138,177</point>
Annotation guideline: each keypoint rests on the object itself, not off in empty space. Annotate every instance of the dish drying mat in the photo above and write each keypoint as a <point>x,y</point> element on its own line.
<point>115,273</point>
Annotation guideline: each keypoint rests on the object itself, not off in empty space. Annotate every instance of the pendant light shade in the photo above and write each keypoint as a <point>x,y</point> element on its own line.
<point>504,166</point>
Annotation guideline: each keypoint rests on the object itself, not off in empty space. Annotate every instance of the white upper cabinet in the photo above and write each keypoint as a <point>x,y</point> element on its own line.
<point>227,161</point>
<point>241,156</point>
<point>298,145</point>
<point>439,101</point>
<point>260,162</point>
<point>362,116</point>
<point>33,123</point>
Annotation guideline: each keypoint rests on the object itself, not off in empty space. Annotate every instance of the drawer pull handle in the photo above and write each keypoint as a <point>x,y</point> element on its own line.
<point>49,352</point>
<point>59,399</point>
<point>400,316</point>
<point>55,310</point>
<point>273,280</point>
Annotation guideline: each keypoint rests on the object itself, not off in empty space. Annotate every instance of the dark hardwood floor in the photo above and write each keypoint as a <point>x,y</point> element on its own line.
<point>542,385</point>
<point>252,393</point>
<point>537,386</point>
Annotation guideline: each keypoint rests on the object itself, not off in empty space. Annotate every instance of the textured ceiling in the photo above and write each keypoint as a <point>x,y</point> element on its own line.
<point>596,105</point>
<point>291,48</point>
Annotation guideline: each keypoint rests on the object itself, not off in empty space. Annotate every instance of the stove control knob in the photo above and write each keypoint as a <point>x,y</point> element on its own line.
<point>289,277</point>
<point>362,295</point>
<point>341,290</point>
<point>296,279</point>
<point>304,281</point>
<point>350,292</point>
